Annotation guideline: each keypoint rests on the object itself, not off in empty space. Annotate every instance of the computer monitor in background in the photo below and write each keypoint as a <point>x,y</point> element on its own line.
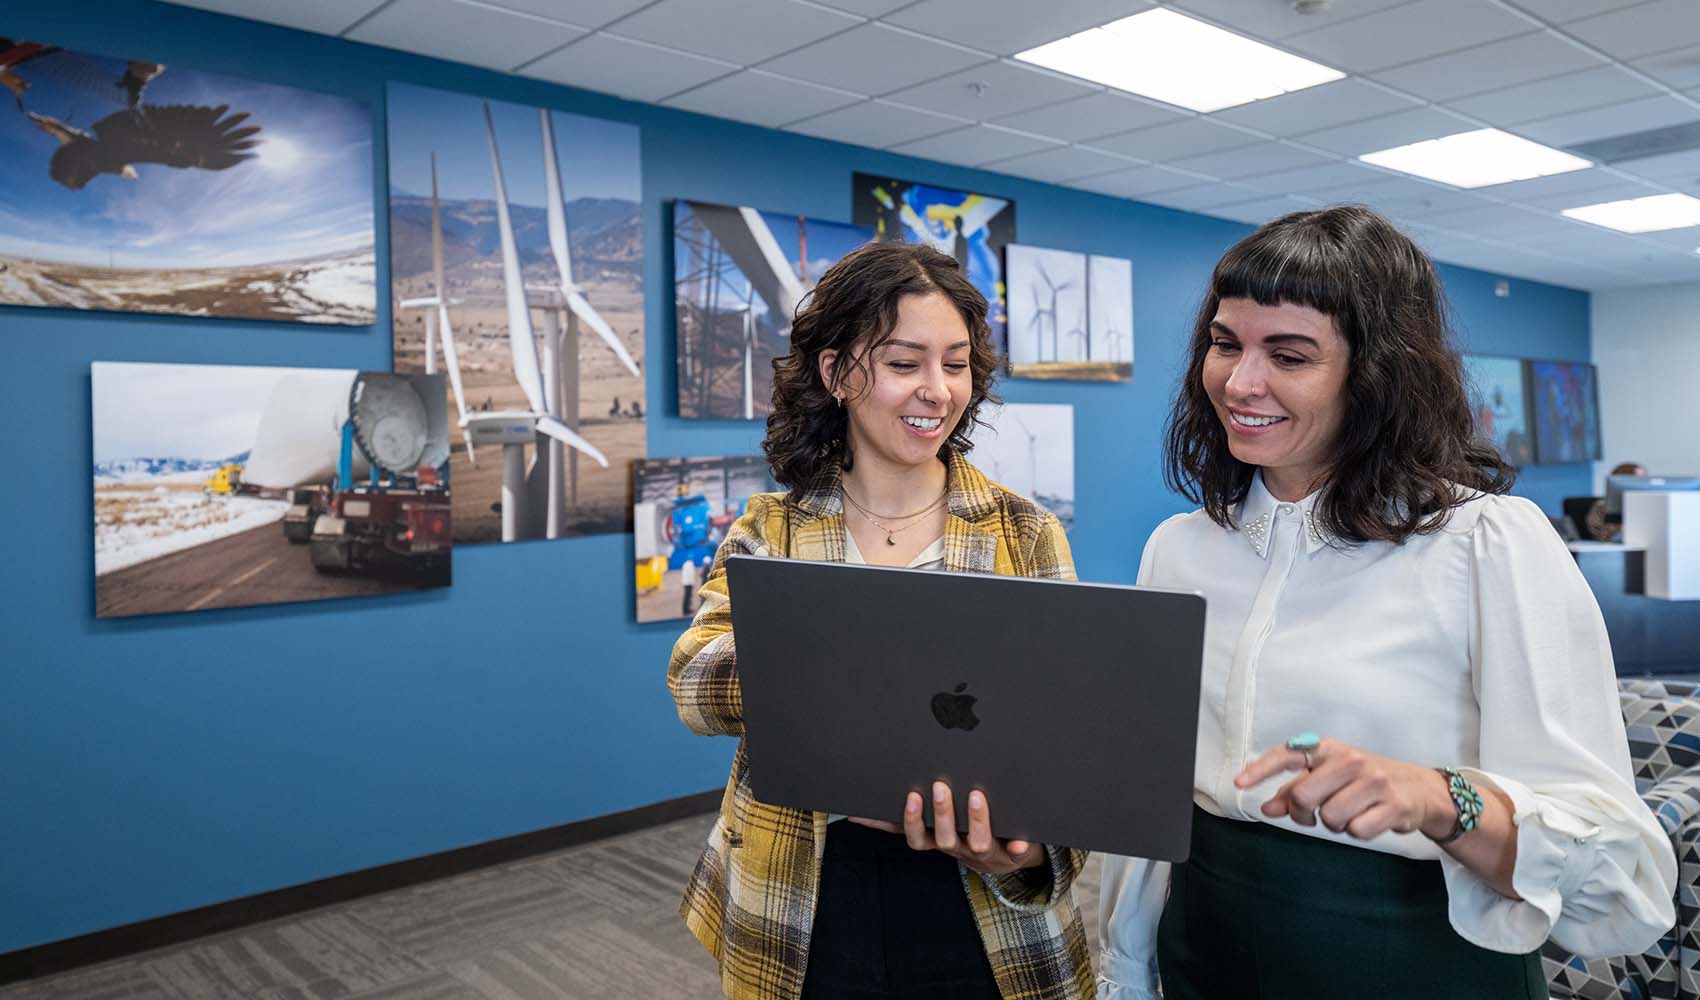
<point>1616,486</point>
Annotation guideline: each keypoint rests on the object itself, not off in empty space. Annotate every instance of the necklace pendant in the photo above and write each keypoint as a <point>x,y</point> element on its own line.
<point>889,540</point>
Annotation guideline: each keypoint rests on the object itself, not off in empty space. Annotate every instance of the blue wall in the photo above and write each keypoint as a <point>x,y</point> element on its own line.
<point>152,765</point>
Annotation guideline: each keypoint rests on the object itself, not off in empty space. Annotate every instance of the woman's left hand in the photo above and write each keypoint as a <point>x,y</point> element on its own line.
<point>980,850</point>
<point>1351,790</point>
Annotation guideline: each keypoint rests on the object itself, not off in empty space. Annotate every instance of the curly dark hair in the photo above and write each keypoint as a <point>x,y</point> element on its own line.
<point>1407,441</point>
<point>852,310</point>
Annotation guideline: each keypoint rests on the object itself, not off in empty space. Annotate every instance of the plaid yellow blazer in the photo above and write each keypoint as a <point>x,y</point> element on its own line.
<point>751,900</point>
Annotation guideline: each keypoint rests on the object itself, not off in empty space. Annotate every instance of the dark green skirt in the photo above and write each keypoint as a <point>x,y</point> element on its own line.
<point>1261,913</point>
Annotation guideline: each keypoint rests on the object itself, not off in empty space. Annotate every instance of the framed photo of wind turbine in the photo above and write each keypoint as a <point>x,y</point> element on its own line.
<point>1071,315</point>
<point>1029,448</point>
<point>973,228</point>
<point>738,276</point>
<point>516,260</point>
<point>223,486</point>
<point>136,186</point>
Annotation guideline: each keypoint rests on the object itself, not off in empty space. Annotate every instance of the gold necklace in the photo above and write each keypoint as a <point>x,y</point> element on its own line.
<point>909,520</point>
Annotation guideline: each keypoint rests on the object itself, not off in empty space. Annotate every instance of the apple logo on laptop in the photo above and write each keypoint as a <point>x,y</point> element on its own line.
<point>955,711</point>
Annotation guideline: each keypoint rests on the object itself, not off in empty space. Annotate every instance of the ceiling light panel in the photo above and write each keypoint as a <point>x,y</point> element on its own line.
<point>1477,159</point>
<point>1179,60</point>
<point>1642,215</point>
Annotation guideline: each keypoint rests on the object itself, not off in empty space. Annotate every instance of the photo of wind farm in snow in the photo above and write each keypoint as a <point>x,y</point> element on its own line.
<point>517,258</point>
<point>1070,315</point>
<point>1029,448</point>
<point>739,274</point>
<point>220,486</point>
<point>137,186</point>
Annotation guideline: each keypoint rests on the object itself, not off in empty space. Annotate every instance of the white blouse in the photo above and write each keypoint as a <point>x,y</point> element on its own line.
<point>1478,646</point>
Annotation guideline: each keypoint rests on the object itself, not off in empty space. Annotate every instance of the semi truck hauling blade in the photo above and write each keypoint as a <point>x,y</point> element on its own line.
<point>396,518</point>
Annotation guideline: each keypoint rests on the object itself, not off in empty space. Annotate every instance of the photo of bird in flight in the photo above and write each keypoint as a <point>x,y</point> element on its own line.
<point>175,135</point>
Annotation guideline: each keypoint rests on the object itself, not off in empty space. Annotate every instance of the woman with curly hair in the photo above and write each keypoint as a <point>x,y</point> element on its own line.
<point>890,361</point>
<point>1411,768</point>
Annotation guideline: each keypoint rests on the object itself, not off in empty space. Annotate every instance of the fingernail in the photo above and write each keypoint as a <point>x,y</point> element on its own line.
<point>938,791</point>
<point>912,804</point>
<point>976,800</point>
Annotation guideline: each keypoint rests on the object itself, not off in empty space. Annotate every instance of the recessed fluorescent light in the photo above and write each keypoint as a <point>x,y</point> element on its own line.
<point>1642,215</point>
<point>1179,60</point>
<point>1477,159</point>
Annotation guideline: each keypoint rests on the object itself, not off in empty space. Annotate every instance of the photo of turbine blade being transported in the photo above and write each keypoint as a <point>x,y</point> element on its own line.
<point>220,486</point>
<point>517,266</point>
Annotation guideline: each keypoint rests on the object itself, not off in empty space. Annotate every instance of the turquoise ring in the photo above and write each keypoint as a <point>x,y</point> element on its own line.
<point>1305,743</point>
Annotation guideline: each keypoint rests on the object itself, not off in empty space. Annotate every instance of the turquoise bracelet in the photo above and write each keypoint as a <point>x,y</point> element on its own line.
<point>1466,800</point>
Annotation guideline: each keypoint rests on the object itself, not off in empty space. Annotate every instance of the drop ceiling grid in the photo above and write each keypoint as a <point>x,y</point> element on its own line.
<point>1600,64</point>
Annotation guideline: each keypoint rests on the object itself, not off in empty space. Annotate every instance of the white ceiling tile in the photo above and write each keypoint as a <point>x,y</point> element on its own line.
<point>584,13</point>
<point>1563,11</point>
<point>1313,108</point>
<point>1615,191</point>
<point>974,145</point>
<point>1557,184</point>
<point>1085,118</point>
<point>1273,20</point>
<point>1374,194</point>
<point>1679,68</point>
<point>1328,177</point>
<point>1408,32</point>
<point>1603,123</point>
<point>1006,27</point>
<point>744,32</point>
<point>1187,137</point>
<point>1432,203</point>
<point>992,90</point>
<point>330,17</point>
<point>1678,239</point>
<point>1264,209</point>
<point>1251,161</point>
<point>875,124</point>
<point>1204,196</point>
<point>1137,182</point>
<point>865,8</point>
<point>874,59</point>
<point>637,70</point>
<point>461,32</point>
<point>1386,131</point>
<point>1496,65</point>
<point>1643,29</point>
<point>1063,163</point>
<point>1679,170</point>
<point>1591,88</point>
<point>1484,218</point>
<point>761,98</point>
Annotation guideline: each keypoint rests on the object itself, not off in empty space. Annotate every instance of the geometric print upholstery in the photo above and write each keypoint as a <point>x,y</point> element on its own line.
<point>1662,718</point>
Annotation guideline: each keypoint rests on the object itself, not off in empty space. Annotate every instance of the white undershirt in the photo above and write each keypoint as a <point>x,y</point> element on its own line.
<point>1479,646</point>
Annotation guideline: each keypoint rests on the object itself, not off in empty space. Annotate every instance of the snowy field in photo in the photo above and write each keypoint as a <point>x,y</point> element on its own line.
<point>138,518</point>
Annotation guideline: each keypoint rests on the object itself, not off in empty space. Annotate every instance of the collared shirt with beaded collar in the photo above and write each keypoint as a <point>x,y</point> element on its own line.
<point>1261,514</point>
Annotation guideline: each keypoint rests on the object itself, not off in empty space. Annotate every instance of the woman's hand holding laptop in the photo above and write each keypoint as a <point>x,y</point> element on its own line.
<point>980,851</point>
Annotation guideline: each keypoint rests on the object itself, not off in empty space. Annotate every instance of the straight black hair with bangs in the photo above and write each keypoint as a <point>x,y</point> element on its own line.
<point>1407,442</point>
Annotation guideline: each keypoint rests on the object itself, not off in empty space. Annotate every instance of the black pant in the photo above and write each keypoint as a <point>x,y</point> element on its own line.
<point>892,923</point>
<point>1262,913</point>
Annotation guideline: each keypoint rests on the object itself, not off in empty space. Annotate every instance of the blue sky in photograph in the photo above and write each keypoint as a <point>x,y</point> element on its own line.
<point>598,158</point>
<point>307,192</point>
<point>828,241</point>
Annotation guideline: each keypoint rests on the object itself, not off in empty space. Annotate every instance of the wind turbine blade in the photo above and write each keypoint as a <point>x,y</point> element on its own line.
<point>567,436</point>
<point>521,340</point>
<point>557,202</point>
<point>583,310</point>
<point>452,356</point>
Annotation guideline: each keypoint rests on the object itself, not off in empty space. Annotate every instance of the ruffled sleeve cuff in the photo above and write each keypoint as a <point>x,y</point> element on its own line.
<point>1123,977</point>
<point>1597,890</point>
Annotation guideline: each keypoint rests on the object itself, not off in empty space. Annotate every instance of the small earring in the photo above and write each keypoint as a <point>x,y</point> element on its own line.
<point>840,401</point>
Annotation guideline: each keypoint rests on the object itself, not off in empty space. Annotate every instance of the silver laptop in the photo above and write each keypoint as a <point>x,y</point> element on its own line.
<point>1073,706</point>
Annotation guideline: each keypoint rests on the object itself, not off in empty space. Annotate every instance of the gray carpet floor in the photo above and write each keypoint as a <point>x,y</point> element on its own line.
<point>596,922</point>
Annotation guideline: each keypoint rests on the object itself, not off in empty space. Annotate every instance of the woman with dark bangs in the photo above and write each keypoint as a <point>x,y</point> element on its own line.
<point>1412,768</point>
<point>890,360</point>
